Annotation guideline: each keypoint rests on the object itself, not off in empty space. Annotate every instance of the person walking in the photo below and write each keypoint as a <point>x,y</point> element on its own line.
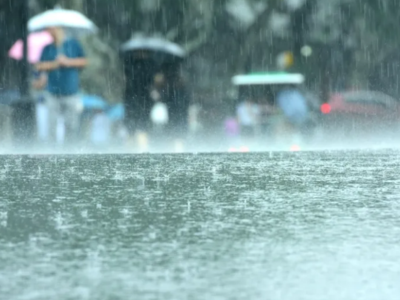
<point>293,104</point>
<point>177,99</point>
<point>248,114</point>
<point>295,109</point>
<point>139,73</point>
<point>62,60</point>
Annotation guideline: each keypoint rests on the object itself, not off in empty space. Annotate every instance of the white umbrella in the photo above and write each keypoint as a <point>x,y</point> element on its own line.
<point>268,78</point>
<point>155,43</point>
<point>59,17</point>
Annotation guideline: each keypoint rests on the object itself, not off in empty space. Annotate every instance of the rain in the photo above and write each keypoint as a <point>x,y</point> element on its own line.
<point>208,149</point>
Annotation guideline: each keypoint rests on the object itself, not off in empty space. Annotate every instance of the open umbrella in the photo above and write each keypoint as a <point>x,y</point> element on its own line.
<point>155,44</point>
<point>36,42</point>
<point>60,17</point>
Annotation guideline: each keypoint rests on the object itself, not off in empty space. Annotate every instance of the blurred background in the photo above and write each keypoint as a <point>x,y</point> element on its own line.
<point>338,45</point>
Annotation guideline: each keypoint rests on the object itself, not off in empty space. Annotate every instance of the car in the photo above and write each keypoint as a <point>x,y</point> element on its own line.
<point>360,116</point>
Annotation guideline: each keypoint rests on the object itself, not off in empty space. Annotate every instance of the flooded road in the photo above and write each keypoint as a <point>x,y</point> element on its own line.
<point>307,225</point>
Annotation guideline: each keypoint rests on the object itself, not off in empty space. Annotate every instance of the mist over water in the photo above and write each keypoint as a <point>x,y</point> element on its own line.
<point>219,143</point>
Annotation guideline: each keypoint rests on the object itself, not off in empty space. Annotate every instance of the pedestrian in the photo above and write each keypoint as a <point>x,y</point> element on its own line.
<point>248,114</point>
<point>139,73</point>
<point>177,99</point>
<point>39,83</point>
<point>62,60</point>
<point>294,106</point>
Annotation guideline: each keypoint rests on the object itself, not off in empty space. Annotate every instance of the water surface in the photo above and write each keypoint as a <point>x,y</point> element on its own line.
<point>311,225</point>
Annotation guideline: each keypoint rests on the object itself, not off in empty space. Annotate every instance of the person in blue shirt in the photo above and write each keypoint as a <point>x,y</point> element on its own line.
<point>293,105</point>
<point>62,61</point>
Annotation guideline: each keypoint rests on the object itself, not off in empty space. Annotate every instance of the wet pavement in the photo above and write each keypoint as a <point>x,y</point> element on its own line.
<point>274,225</point>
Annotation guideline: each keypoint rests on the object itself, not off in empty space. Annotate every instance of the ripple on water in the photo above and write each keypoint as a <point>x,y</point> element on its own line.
<point>318,225</point>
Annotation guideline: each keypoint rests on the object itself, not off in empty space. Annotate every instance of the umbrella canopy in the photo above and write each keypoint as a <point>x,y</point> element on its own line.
<point>36,42</point>
<point>155,43</point>
<point>268,79</point>
<point>59,17</point>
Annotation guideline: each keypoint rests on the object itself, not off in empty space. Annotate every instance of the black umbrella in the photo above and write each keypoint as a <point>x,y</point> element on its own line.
<point>161,49</point>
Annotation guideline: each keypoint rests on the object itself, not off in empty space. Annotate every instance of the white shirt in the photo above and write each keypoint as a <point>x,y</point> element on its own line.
<point>248,113</point>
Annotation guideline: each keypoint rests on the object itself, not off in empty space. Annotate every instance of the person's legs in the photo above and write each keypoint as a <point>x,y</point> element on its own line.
<point>138,120</point>
<point>53,112</point>
<point>42,117</point>
<point>72,108</point>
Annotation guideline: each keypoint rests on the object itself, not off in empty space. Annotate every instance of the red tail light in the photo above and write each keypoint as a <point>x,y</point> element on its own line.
<point>326,108</point>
